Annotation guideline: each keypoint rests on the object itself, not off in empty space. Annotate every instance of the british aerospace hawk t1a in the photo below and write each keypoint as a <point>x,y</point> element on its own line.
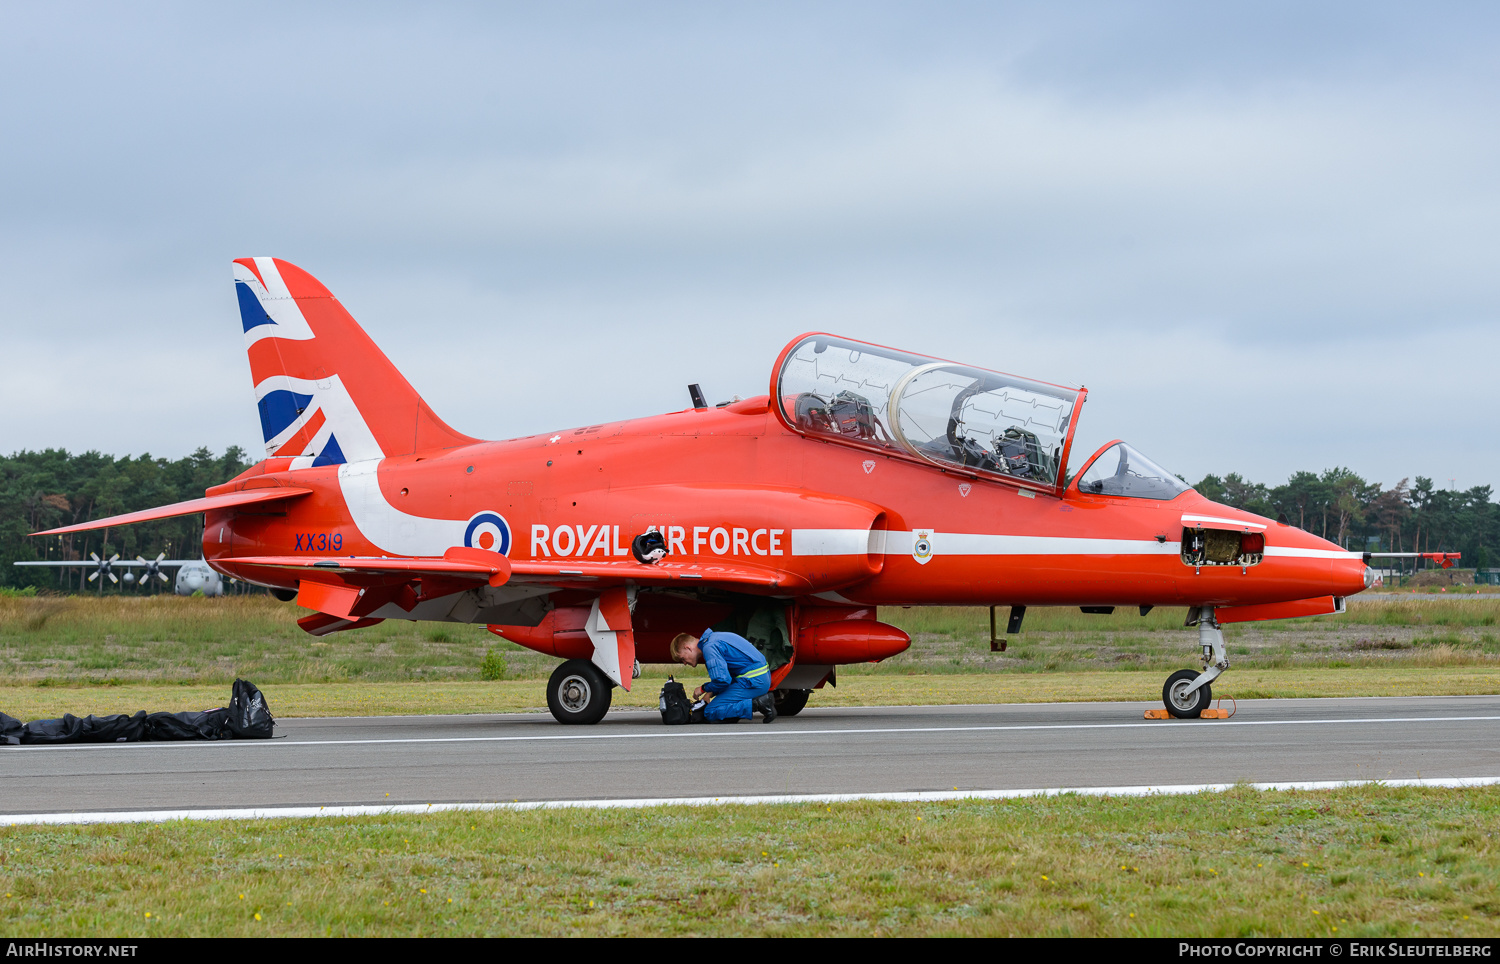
<point>865,477</point>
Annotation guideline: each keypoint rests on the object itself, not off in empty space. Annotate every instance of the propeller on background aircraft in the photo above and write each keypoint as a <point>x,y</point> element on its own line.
<point>153,568</point>
<point>104,567</point>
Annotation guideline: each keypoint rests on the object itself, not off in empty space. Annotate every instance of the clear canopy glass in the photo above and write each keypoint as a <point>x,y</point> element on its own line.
<point>1121,470</point>
<point>949,414</point>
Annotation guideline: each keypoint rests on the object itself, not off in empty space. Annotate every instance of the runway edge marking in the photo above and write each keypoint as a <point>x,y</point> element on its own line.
<point>915,796</point>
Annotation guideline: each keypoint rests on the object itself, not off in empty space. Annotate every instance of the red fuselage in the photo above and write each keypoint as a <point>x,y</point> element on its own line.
<point>733,485</point>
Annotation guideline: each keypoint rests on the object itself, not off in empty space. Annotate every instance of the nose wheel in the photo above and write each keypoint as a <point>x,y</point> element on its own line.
<point>1186,693</point>
<point>1182,700</point>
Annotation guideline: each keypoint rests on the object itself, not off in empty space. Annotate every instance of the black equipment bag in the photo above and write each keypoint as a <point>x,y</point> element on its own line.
<point>90,729</point>
<point>113,729</point>
<point>208,725</point>
<point>676,708</point>
<point>246,717</point>
<point>11,729</point>
<point>249,717</point>
<point>66,730</point>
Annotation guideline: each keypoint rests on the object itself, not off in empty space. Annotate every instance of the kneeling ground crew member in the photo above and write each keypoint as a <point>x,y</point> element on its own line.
<point>738,676</point>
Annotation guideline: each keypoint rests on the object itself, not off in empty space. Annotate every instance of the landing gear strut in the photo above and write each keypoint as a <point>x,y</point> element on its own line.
<point>1187,693</point>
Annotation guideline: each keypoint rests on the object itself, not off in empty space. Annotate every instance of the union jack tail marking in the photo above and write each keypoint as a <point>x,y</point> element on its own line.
<point>326,394</point>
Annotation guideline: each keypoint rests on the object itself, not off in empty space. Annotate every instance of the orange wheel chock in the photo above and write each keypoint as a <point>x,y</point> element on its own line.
<point>1209,714</point>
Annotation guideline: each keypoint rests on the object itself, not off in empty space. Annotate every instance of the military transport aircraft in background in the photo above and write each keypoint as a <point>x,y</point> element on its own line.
<point>865,477</point>
<point>193,575</point>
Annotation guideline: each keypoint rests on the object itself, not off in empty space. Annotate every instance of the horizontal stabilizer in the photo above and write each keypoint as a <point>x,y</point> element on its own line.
<point>190,507</point>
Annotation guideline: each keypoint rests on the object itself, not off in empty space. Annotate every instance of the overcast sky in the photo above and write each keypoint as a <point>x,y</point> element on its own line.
<point>1264,235</point>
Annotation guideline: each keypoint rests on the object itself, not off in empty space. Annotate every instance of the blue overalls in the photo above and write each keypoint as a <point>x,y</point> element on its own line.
<point>737,674</point>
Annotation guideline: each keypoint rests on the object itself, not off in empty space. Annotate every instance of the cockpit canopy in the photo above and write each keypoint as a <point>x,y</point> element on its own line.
<point>952,415</point>
<point>1120,470</point>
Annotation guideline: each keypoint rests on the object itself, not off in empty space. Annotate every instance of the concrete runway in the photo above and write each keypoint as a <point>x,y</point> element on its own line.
<point>528,757</point>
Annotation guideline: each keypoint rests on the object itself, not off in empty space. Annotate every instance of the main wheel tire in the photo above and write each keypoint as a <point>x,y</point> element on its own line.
<point>578,693</point>
<point>1185,706</point>
<point>790,702</point>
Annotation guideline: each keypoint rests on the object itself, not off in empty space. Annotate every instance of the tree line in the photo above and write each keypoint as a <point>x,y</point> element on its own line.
<point>1358,515</point>
<point>52,488</point>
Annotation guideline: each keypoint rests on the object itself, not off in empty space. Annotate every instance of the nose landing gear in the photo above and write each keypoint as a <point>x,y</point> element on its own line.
<point>1187,693</point>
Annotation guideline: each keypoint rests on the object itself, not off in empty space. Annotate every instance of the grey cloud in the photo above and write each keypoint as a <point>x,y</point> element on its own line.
<point>556,215</point>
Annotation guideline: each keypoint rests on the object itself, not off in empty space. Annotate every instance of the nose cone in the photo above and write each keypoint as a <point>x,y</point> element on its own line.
<point>1309,565</point>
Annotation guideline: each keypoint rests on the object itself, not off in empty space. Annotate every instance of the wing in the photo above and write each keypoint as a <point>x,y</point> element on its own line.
<point>190,507</point>
<point>481,565</point>
<point>346,592</point>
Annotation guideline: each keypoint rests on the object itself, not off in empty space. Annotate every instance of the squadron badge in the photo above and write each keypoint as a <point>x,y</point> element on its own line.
<point>921,545</point>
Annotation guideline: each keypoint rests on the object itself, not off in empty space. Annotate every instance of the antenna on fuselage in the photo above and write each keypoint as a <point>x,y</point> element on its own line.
<point>699,402</point>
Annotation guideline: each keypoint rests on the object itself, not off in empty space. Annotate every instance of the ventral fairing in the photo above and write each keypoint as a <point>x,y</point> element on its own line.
<point>865,477</point>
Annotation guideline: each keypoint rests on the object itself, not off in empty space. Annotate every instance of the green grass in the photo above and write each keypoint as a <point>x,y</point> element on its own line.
<point>173,640</point>
<point>1357,862</point>
<point>185,640</point>
<point>1404,631</point>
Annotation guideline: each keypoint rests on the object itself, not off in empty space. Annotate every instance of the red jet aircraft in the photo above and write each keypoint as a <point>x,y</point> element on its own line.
<point>867,477</point>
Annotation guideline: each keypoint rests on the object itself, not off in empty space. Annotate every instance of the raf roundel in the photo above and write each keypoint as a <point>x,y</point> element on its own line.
<point>488,530</point>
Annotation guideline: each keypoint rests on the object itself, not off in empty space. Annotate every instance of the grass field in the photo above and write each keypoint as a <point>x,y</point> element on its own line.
<point>1357,862</point>
<point>168,639</point>
<point>1367,861</point>
<point>119,654</point>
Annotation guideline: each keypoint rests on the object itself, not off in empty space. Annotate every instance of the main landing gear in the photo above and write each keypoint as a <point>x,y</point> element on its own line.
<point>790,702</point>
<point>1187,693</point>
<point>579,692</point>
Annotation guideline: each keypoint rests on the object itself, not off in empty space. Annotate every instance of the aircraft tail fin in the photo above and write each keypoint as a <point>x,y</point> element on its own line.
<point>326,393</point>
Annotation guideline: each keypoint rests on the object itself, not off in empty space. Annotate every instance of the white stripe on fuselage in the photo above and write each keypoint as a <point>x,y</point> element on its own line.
<point>391,530</point>
<point>837,542</point>
<point>833,542</point>
<point>1297,552</point>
